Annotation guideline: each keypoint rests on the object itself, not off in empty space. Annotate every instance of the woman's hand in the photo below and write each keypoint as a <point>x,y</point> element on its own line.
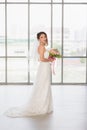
<point>51,59</point>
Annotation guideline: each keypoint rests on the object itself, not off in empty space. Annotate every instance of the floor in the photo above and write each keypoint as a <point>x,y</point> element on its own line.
<point>70,108</point>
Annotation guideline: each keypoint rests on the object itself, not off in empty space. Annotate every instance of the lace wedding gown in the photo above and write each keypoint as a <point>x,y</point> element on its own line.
<point>40,101</point>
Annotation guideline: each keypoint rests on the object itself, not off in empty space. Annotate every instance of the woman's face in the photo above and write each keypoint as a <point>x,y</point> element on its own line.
<point>43,39</point>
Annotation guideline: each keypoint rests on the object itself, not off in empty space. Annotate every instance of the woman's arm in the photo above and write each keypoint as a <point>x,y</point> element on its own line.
<point>41,51</point>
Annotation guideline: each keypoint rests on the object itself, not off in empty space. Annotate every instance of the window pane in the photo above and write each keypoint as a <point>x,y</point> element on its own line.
<point>56,71</point>
<point>75,32</point>
<point>17,70</point>
<point>74,70</point>
<point>2,30</point>
<point>75,1</point>
<point>40,0</point>
<point>40,20</point>
<point>2,0</point>
<point>17,20</point>
<point>57,40</point>
<point>2,70</point>
<point>57,0</point>
<point>17,0</point>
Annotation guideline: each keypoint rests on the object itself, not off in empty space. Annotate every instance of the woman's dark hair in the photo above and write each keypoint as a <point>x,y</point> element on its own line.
<point>40,33</point>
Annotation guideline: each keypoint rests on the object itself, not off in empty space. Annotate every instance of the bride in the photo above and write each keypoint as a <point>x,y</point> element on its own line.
<point>40,102</point>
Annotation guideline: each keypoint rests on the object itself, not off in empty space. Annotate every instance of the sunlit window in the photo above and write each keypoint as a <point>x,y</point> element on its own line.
<point>40,1</point>
<point>64,21</point>
<point>2,0</point>
<point>75,1</point>
<point>17,0</point>
<point>2,30</point>
<point>75,30</point>
<point>74,70</point>
<point>17,29</point>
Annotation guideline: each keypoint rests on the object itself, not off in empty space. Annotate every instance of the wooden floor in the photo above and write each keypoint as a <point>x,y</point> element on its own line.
<point>70,109</point>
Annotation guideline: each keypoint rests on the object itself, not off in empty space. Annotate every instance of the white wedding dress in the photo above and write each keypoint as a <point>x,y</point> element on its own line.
<point>40,101</point>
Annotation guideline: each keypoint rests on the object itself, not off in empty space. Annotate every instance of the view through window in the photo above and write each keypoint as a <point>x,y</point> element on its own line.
<point>64,21</point>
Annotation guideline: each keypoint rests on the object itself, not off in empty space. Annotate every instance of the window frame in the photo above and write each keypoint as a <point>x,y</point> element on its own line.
<point>62,38</point>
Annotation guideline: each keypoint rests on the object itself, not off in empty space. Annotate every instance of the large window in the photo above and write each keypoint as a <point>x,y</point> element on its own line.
<point>17,29</point>
<point>2,30</point>
<point>57,41</point>
<point>64,21</point>
<point>40,20</point>
<point>75,30</point>
<point>76,1</point>
<point>2,43</point>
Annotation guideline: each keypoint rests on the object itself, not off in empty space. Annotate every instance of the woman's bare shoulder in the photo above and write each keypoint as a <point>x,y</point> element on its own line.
<point>41,48</point>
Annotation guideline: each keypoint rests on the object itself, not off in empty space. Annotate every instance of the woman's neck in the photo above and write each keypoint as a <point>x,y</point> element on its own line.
<point>42,44</point>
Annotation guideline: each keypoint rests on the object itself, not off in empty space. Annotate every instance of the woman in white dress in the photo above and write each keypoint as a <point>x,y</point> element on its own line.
<point>40,102</point>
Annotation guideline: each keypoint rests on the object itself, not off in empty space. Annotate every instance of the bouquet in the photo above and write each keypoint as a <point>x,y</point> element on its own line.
<point>54,53</point>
